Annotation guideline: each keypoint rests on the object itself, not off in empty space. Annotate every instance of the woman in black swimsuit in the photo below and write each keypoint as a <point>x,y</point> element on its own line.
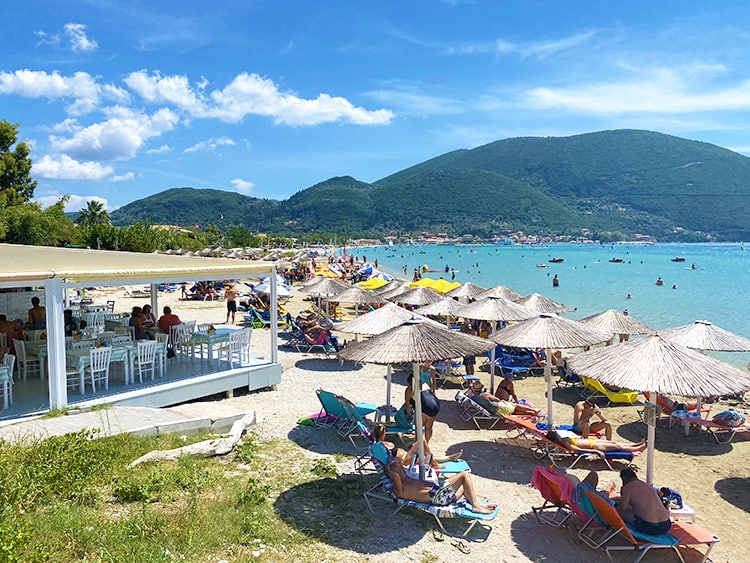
<point>378,433</point>
<point>505,390</point>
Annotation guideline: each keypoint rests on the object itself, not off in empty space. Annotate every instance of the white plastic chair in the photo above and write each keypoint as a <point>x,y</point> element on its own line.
<point>6,379</point>
<point>99,367</point>
<point>121,340</point>
<point>234,350</point>
<point>82,345</point>
<point>146,358</point>
<point>25,362</point>
<point>162,341</point>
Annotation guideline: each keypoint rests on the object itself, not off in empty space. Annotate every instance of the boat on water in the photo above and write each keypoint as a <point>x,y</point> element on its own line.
<point>556,260</point>
<point>678,259</point>
<point>616,260</point>
<point>541,265</point>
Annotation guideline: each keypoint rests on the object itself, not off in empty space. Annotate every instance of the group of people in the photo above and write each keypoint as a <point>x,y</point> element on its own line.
<point>314,332</point>
<point>145,324</point>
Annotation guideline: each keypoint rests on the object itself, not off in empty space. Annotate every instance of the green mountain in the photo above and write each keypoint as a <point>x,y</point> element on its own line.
<point>623,181</point>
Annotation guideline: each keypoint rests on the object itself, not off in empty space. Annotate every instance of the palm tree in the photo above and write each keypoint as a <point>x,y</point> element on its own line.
<point>93,214</point>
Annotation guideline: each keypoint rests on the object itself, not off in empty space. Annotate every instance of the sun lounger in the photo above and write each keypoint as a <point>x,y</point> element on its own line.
<point>473,411</point>
<point>722,434</point>
<point>525,430</point>
<point>383,492</point>
<point>606,530</point>
<point>557,490</point>
<point>594,389</point>
<point>333,415</point>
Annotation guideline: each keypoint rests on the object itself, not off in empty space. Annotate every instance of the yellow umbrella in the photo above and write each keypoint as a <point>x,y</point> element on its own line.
<point>440,285</point>
<point>372,283</point>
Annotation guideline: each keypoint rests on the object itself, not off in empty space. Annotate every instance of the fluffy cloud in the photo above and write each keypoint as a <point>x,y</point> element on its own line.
<point>159,150</point>
<point>65,168</point>
<point>118,138</point>
<point>211,145</point>
<point>74,203</point>
<point>242,186</point>
<point>157,89</point>
<point>122,177</point>
<point>82,88</point>
<point>76,34</point>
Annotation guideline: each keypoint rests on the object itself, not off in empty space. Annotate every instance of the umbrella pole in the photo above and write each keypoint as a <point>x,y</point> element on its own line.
<point>548,378</point>
<point>650,454</point>
<point>492,371</point>
<point>417,389</point>
<point>388,394</point>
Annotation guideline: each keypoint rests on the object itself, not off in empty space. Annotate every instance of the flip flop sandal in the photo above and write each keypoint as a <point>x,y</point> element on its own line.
<point>461,546</point>
<point>438,535</point>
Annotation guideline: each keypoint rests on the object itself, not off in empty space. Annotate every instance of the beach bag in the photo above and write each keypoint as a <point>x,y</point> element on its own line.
<point>729,418</point>
<point>670,498</point>
<point>170,353</point>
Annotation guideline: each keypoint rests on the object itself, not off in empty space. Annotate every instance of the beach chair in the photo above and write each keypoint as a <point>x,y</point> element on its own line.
<point>557,490</point>
<point>722,434</point>
<point>382,492</point>
<point>473,411</point>
<point>567,378</point>
<point>525,431</point>
<point>606,530</point>
<point>333,415</point>
<point>359,427</point>
<point>593,389</point>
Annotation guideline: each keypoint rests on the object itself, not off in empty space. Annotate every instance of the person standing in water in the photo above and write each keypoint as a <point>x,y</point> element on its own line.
<point>555,281</point>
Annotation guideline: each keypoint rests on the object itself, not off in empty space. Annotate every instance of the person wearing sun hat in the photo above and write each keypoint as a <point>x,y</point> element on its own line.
<point>496,405</point>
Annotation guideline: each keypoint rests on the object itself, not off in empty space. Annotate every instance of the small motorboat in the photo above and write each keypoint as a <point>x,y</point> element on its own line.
<point>556,260</point>
<point>616,260</point>
<point>541,265</point>
<point>678,259</point>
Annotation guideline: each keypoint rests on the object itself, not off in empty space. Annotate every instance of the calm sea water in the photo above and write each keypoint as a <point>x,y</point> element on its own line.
<point>716,290</point>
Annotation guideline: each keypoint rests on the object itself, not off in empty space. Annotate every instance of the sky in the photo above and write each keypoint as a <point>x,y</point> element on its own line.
<point>124,99</point>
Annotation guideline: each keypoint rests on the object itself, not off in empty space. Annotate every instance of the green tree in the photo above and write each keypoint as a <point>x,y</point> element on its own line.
<point>16,185</point>
<point>93,214</point>
<point>30,224</point>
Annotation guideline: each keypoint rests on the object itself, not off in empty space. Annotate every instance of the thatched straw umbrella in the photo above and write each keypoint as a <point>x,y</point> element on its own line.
<point>550,332</point>
<point>393,293</point>
<point>378,321</point>
<point>704,335</point>
<point>499,291</point>
<point>325,287</point>
<point>415,342</point>
<point>357,296</point>
<point>495,309</point>
<point>387,288</point>
<point>467,290</point>
<point>615,322</point>
<point>417,296</point>
<point>446,307</point>
<point>658,365</point>
<point>542,304</point>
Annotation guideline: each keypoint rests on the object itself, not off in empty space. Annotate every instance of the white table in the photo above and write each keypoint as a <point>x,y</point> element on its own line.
<point>203,338</point>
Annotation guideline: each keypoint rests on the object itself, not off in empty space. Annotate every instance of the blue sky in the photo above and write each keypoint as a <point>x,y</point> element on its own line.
<point>121,100</point>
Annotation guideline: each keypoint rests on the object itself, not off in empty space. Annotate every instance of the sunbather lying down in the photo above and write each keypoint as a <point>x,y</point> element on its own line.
<point>496,405</point>
<point>595,445</point>
<point>379,431</point>
<point>443,493</point>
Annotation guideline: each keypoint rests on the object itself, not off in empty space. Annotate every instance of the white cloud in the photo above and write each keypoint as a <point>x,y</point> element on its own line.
<point>159,150</point>
<point>251,94</point>
<point>82,88</point>
<point>74,203</point>
<point>79,42</point>
<point>411,101</point>
<point>118,138</point>
<point>122,177</point>
<point>211,145</point>
<point>158,89</point>
<point>65,168</point>
<point>242,186</point>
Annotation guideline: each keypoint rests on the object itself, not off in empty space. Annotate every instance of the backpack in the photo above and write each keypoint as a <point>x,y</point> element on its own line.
<point>670,498</point>
<point>729,418</point>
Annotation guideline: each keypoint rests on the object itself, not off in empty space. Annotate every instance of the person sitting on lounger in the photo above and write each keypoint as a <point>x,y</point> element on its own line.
<point>595,445</point>
<point>583,412</point>
<point>496,405</point>
<point>670,405</point>
<point>640,504</point>
<point>444,493</point>
<point>505,389</point>
<point>379,431</point>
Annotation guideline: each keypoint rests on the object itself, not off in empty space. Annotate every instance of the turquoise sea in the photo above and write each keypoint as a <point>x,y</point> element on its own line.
<point>715,290</point>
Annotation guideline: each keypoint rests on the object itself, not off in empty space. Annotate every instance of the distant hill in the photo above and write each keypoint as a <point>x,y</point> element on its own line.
<point>623,181</point>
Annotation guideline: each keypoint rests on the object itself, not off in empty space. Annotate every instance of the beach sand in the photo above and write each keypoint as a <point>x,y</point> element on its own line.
<point>714,479</point>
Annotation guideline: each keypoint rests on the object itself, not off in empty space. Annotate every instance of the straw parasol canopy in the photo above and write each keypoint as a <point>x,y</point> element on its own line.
<point>499,291</point>
<point>357,295</point>
<point>468,290</point>
<point>417,296</point>
<point>390,286</point>
<point>549,332</point>
<point>496,309</point>
<point>658,365</point>
<point>542,304</point>
<point>415,341</point>
<point>389,295</point>
<point>616,322</point>
<point>446,307</point>
<point>325,286</point>
<point>380,320</point>
<point>704,335</point>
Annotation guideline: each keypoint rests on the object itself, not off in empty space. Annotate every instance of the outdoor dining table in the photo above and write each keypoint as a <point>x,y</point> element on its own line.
<point>204,338</point>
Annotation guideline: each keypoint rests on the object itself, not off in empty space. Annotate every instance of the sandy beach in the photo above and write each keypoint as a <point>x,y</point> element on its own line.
<point>713,478</point>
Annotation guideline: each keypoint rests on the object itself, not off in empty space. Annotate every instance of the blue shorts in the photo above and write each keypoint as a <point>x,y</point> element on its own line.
<point>442,494</point>
<point>651,528</point>
<point>576,428</point>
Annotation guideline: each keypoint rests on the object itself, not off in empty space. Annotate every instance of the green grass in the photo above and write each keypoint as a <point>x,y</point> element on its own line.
<point>74,498</point>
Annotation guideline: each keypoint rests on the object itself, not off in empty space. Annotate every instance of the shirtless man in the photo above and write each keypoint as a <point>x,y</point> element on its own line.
<point>230,294</point>
<point>640,504</point>
<point>37,315</point>
<point>443,494</point>
<point>583,412</point>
